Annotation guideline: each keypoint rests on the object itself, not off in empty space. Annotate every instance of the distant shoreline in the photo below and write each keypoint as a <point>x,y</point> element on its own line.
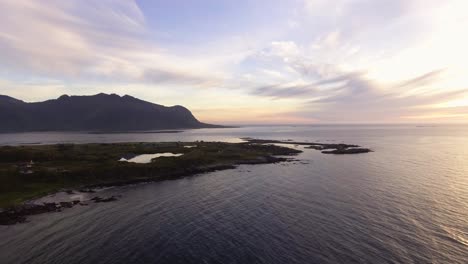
<point>161,131</point>
<point>136,132</point>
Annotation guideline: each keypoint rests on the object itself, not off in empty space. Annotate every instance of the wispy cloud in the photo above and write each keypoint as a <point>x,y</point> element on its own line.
<point>331,95</point>
<point>88,39</point>
<point>284,91</point>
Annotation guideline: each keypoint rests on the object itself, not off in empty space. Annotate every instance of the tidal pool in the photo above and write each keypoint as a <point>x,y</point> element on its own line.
<point>146,158</point>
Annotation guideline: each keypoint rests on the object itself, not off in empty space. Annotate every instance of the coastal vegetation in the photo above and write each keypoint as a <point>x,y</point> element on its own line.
<point>27,172</point>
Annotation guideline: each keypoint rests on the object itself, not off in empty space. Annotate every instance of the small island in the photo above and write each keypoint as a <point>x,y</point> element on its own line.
<point>28,172</point>
<point>325,148</point>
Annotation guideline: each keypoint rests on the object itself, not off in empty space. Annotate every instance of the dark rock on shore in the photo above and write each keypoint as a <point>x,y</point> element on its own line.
<point>11,218</point>
<point>87,191</point>
<point>331,146</point>
<point>263,160</point>
<point>98,199</point>
<point>66,204</point>
<point>339,149</point>
<point>347,151</point>
<point>18,214</point>
<point>323,147</point>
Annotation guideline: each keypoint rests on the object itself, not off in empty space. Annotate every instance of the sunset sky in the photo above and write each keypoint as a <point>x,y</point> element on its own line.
<point>239,61</point>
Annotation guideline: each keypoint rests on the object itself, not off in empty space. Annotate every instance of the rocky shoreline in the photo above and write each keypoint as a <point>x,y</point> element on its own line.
<point>325,148</point>
<point>201,157</point>
<point>19,214</point>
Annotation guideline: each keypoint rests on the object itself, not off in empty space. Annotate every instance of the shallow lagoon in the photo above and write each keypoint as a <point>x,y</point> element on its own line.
<point>147,158</point>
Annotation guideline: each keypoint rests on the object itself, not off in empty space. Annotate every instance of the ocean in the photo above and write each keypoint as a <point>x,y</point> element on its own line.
<point>406,202</point>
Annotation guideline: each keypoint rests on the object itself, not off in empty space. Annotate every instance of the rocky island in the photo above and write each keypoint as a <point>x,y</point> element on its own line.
<point>325,148</point>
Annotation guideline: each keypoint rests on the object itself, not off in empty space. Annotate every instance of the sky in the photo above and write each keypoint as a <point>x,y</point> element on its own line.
<point>246,61</point>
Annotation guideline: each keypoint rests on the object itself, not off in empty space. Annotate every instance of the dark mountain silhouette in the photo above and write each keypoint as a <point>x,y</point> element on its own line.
<point>101,112</point>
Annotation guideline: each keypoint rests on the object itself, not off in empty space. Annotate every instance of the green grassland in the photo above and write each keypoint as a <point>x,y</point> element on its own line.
<point>65,166</point>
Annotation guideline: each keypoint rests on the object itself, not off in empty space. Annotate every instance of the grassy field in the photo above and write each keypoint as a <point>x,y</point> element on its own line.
<point>66,166</point>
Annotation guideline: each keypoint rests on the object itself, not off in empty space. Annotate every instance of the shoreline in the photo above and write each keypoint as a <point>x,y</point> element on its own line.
<point>130,131</point>
<point>325,148</point>
<point>53,168</point>
<point>19,213</point>
<point>87,167</point>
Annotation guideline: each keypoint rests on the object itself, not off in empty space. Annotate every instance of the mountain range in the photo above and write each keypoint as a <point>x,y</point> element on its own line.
<point>101,112</point>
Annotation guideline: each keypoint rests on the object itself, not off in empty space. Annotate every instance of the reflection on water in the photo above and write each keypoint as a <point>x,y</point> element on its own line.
<point>407,202</point>
<point>147,158</point>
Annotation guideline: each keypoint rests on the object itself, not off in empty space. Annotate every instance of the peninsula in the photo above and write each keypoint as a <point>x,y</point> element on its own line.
<point>28,172</point>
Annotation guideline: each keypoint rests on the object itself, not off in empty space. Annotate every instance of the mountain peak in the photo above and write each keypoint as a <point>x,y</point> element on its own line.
<point>128,96</point>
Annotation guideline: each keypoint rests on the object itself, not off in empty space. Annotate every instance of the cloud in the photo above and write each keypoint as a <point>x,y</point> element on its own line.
<point>355,15</point>
<point>424,79</point>
<point>50,37</point>
<point>161,76</point>
<point>87,40</point>
<point>282,49</point>
<point>283,92</point>
<point>332,61</point>
<point>353,97</point>
<point>368,61</point>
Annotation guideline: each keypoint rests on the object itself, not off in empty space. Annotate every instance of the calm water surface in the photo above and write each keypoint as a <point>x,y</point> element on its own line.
<point>407,202</point>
